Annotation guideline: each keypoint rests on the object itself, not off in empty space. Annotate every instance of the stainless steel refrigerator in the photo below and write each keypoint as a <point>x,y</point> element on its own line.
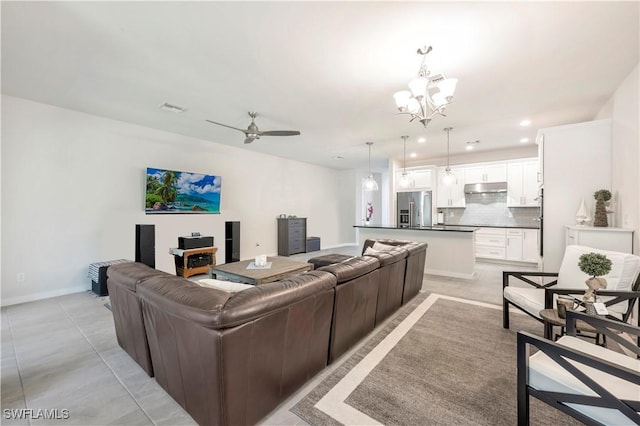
<point>414,209</point>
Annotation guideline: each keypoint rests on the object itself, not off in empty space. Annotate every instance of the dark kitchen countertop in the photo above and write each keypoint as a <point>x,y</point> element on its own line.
<point>499,226</point>
<point>450,228</point>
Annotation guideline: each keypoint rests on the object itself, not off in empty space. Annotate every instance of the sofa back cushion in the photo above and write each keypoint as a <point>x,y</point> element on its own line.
<point>352,268</point>
<point>624,269</point>
<point>218,309</point>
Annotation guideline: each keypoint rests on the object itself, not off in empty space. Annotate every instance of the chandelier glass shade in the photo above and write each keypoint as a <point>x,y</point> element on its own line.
<point>448,178</point>
<point>369,183</point>
<point>405,180</point>
<point>428,95</point>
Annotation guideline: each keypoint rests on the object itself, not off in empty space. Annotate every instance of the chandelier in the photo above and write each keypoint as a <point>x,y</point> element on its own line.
<point>369,184</point>
<point>428,95</point>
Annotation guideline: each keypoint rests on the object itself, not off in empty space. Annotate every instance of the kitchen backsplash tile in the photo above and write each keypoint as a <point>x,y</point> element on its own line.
<point>491,210</point>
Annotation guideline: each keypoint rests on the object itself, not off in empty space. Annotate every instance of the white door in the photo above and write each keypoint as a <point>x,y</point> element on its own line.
<point>474,174</point>
<point>514,184</point>
<point>530,252</point>
<point>530,183</point>
<point>514,244</point>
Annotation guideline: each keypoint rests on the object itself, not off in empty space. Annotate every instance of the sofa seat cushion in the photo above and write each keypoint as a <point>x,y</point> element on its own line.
<point>546,374</point>
<point>228,286</point>
<point>529,299</point>
<point>352,268</point>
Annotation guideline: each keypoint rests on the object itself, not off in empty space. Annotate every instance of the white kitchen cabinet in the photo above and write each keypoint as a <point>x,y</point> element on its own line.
<point>522,184</point>
<point>530,249</point>
<point>485,173</point>
<point>491,243</point>
<point>419,178</point>
<point>452,195</point>
<point>512,244</point>
<point>422,179</point>
<point>522,245</point>
<point>614,239</point>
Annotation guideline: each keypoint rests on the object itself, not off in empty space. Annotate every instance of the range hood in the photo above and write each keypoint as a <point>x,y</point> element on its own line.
<point>485,188</point>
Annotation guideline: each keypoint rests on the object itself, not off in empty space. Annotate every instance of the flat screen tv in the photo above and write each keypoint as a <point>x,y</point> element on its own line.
<point>173,192</point>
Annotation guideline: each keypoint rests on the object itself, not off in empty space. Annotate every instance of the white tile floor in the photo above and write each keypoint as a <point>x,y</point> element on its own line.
<point>61,353</point>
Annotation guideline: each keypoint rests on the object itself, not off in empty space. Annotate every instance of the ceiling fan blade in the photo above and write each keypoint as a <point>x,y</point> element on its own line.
<point>249,139</point>
<point>224,125</point>
<point>280,133</point>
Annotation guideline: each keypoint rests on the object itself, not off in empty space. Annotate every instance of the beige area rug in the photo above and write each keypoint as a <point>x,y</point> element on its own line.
<point>439,361</point>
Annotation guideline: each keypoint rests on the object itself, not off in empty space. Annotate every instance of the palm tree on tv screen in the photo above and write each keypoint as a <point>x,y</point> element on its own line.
<point>167,189</point>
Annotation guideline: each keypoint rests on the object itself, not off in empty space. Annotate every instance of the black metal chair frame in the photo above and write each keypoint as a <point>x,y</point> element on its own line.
<point>561,355</point>
<point>618,296</point>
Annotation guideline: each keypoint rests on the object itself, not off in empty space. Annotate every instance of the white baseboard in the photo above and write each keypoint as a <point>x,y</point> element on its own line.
<point>43,295</point>
<point>354,244</point>
<point>450,274</point>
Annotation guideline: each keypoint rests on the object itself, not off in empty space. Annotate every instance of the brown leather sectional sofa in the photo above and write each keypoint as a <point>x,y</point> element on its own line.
<point>231,358</point>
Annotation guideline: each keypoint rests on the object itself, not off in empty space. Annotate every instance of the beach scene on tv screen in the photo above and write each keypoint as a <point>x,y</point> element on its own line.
<point>170,191</point>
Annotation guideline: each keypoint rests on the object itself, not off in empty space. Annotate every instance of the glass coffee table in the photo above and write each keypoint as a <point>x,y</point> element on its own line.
<point>281,267</point>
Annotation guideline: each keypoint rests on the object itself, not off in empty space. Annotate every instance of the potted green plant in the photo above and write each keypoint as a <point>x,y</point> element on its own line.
<point>602,196</point>
<point>596,265</point>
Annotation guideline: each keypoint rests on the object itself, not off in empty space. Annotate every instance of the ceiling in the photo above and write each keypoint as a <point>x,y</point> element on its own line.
<point>328,69</point>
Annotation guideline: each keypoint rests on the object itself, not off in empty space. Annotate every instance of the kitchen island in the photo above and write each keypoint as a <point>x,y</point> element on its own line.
<point>450,251</point>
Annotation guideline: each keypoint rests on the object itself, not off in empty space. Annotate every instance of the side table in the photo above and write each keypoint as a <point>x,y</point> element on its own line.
<point>551,318</point>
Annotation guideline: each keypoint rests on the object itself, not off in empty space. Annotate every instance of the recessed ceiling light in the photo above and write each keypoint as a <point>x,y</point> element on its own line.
<point>422,139</point>
<point>171,108</point>
<point>413,155</point>
<point>524,140</point>
<point>471,144</point>
<point>338,157</point>
<point>525,123</point>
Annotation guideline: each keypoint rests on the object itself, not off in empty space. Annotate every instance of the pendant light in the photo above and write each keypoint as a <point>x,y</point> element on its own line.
<point>369,184</point>
<point>448,178</point>
<point>405,179</point>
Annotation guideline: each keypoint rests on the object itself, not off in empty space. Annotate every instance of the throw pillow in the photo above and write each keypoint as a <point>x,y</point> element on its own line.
<point>371,251</point>
<point>228,286</point>
<point>382,247</point>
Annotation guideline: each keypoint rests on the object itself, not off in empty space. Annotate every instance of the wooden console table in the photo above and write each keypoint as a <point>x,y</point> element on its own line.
<point>182,262</point>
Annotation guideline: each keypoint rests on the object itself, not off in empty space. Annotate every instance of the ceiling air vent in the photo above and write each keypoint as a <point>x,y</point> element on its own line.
<point>172,108</point>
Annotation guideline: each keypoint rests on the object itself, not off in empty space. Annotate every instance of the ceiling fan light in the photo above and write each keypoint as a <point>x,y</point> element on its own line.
<point>418,86</point>
<point>448,87</point>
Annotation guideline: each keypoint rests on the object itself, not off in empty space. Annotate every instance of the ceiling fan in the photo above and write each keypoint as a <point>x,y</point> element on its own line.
<point>252,133</point>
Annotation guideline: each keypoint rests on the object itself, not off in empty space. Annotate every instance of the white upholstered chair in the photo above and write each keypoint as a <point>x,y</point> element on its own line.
<point>593,384</point>
<point>623,283</point>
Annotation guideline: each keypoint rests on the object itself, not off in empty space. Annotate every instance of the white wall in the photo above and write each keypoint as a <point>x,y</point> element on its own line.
<point>624,110</point>
<point>73,190</point>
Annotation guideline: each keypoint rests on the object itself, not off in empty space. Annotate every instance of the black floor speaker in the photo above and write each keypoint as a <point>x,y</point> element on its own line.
<point>231,242</point>
<point>146,245</point>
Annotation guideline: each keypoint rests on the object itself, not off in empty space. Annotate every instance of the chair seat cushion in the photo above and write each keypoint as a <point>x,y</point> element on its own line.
<point>529,299</point>
<point>545,374</point>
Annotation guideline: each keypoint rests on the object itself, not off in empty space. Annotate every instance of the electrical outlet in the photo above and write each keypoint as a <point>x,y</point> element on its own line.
<point>20,277</point>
